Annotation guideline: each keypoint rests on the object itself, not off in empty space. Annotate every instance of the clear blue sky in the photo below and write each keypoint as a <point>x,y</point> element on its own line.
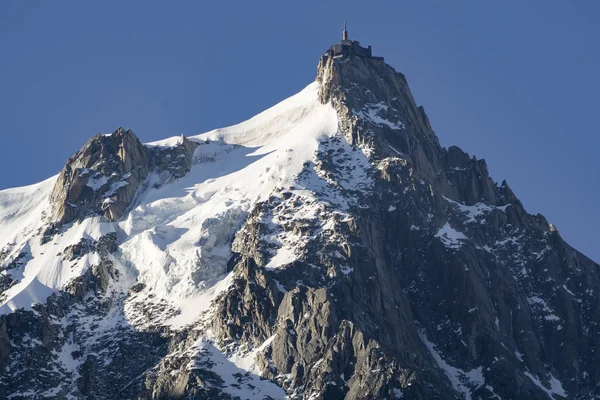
<point>514,82</point>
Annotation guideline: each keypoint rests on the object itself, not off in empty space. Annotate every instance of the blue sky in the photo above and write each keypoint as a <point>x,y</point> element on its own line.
<point>513,82</point>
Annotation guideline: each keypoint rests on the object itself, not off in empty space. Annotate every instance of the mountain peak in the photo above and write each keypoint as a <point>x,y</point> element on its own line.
<point>350,48</point>
<point>327,248</point>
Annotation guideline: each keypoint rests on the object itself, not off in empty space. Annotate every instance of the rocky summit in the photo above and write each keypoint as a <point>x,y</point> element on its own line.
<point>327,248</point>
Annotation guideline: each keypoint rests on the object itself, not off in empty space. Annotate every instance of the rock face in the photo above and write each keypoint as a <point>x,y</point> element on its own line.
<point>436,284</point>
<point>392,268</point>
<point>101,178</point>
<point>174,161</point>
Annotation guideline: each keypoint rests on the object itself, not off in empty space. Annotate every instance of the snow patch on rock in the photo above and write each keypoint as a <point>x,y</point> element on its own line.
<point>450,236</point>
<point>238,380</point>
<point>555,386</point>
<point>462,381</point>
<point>371,112</point>
<point>476,210</point>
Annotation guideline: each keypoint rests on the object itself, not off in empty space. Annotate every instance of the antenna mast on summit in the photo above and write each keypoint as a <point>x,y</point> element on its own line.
<point>345,33</point>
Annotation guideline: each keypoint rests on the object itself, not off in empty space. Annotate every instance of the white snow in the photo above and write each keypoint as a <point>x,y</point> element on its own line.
<point>24,295</point>
<point>518,355</point>
<point>65,357</point>
<point>476,210</point>
<point>491,389</point>
<point>284,256</point>
<point>47,271</point>
<point>346,270</point>
<point>195,305</point>
<point>97,183</point>
<point>177,237</point>
<point>394,150</point>
<point>551,317</point>
<point>538,303</point>
<point>462,381</point>
<point>568,291</point>
<point>115,187</point>
<point>555,386</point>
<point>237,373</point>
<point>371,113</point>
<point>450,236</point>
<point>280,287</point>
<point>21,209</point>
<point>246,361</point>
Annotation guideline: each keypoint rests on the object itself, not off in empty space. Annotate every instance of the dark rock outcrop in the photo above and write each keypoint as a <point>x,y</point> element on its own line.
<point>176,161</point>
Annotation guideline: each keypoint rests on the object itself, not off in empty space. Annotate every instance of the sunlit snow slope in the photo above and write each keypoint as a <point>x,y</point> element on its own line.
<point>177,237</point>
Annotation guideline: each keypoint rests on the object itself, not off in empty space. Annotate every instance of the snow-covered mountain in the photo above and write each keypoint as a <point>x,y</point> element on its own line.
<point>327,248</point>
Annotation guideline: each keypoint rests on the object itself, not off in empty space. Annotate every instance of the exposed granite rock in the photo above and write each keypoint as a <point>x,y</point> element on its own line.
<point>248,313</point>
<point>176,161</point>
<point>78,250</point>
<point>6,282</point>
<point>101,178</point>
<point>9,264</point>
